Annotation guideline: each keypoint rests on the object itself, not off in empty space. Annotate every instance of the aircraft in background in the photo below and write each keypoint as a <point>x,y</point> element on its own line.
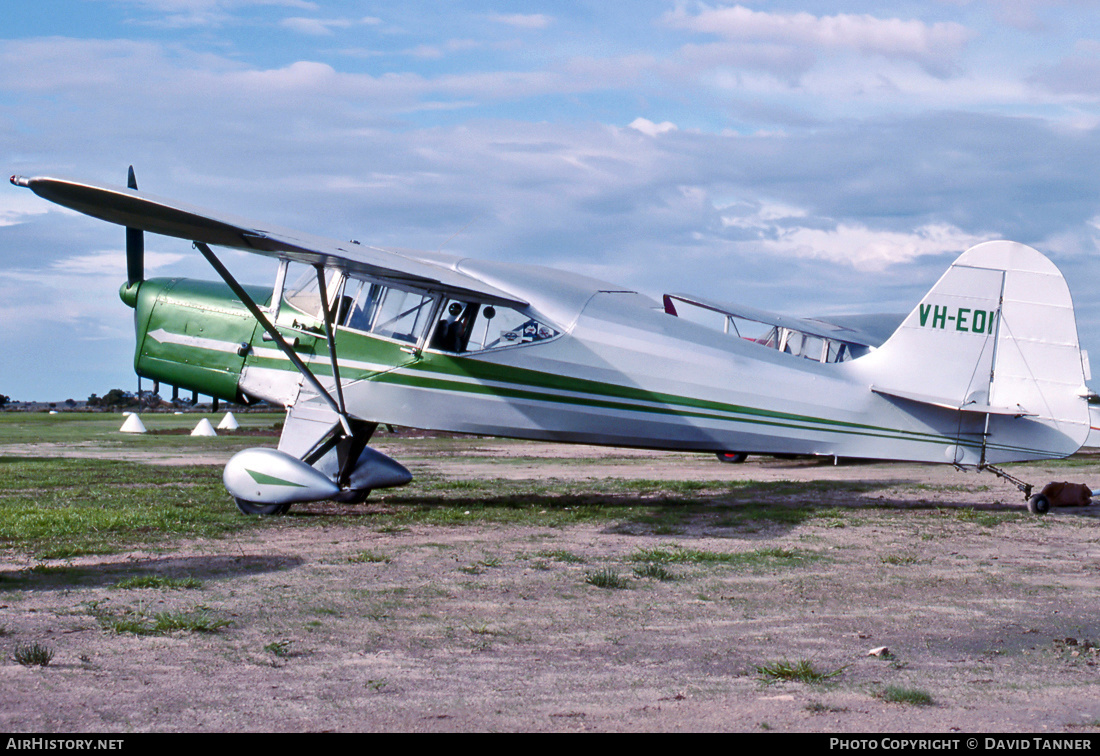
<point>986,369</point>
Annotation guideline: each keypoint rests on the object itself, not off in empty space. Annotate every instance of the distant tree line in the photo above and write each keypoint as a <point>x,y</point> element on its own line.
<point>114,398</point>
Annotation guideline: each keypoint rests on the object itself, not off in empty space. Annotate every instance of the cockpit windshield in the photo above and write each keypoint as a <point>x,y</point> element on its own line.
<point>304,294</point>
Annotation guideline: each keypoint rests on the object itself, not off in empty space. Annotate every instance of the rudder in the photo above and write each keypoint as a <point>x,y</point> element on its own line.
<point>995,339</point>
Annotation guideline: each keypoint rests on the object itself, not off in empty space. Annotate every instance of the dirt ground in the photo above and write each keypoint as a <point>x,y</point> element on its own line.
<point>990,621</point>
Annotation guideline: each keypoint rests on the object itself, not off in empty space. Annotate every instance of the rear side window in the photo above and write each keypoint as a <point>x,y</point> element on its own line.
<point>402,315</point>
<point>386,311</point>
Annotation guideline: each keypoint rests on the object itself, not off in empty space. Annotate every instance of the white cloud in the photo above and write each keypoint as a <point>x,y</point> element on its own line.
<point>18,208</point>
<point>203,13</point>
<point>760,215</point>
<point>522,20</point>
<point>929,44</point>
<point>869,249</point>
<point>76,65</point>
<point>111,263</point>
<point>314,26</point>
<point>433,52</point>
<point>786,230</point>
<point>650,128</point>
<point>323,27</point>
<point>302,75</point>
<point>69,291</point>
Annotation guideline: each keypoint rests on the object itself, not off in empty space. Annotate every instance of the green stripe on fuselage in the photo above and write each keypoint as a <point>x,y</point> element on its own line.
<point>271,480</point>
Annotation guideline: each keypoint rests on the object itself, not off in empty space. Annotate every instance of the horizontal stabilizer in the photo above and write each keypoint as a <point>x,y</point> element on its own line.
<point>971,406</point>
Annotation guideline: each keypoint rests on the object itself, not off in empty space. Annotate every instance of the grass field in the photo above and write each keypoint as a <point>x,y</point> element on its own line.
<point>62,506</point>
<point>102,428</point>
<point>516,586</point>
<point>69,505</point>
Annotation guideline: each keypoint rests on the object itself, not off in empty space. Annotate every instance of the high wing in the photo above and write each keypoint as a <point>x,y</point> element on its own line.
<point>138,210</point>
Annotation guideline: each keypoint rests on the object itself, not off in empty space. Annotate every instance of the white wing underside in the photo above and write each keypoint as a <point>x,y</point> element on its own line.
<point>133,209</point>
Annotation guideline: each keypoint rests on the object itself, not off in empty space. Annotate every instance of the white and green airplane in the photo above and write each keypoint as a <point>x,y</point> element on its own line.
<point>986,369</point>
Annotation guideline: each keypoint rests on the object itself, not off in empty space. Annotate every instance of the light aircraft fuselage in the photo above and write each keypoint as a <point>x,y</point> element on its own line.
<point>617,369</point>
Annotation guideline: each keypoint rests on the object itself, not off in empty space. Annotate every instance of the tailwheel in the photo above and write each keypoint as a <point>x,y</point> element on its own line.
<point>732,458</point>
<point>256,508</point>
<point>1038,504</point>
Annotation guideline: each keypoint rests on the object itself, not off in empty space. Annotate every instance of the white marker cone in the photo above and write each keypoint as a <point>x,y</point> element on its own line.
<point>133,424</point>
<point>204,428</point>
<point>228,422</point>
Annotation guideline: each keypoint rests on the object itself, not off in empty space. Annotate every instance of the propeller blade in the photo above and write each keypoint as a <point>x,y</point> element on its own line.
<point>135,245</point>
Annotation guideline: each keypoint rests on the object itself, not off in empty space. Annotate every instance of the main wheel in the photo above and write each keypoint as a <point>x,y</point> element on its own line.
<point>352,496</point>
<point>256,508</point>
<point>732,458</point>
<point>1038,504</point>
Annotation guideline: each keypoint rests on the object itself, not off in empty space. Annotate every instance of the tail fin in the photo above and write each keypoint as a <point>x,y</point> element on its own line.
<point>996,340</point>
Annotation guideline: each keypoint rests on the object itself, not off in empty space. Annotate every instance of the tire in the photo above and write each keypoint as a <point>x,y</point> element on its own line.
<point>352,496</point>
<point>1038,504</point>
<point>256,508</point>
<point>732,458</point>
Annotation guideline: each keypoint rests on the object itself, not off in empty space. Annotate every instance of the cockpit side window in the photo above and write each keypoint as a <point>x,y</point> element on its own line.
<point>364,297</point>
<point>386,311</point>
<point>472,327</point>
<point>454,328</point>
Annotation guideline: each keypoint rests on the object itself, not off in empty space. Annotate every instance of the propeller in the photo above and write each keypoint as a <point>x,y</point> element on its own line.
<point>135,245</point>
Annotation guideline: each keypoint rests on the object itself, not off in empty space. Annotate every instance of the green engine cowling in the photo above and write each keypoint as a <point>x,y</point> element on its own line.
<point>192,334</point>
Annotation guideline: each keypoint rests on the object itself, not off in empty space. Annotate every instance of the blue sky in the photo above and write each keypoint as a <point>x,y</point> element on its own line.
<point>806,157</point>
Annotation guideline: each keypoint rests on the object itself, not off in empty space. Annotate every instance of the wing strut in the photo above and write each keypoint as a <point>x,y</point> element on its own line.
<point>331,338</point>
<point>277,337</point>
